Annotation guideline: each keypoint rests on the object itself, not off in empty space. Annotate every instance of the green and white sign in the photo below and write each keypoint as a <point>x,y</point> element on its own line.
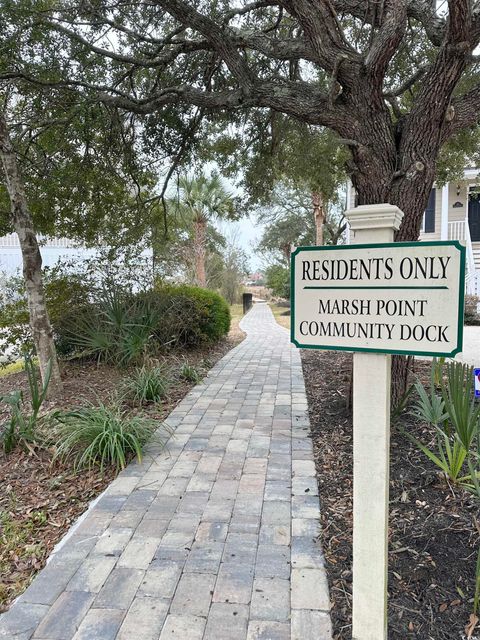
<point>405,298</point>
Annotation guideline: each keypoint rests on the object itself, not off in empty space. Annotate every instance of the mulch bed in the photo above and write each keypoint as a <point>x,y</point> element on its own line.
<point>433,540</point>
<point>40,500</point>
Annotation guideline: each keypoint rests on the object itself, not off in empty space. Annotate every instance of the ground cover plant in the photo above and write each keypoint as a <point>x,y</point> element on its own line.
<point>103,435</point>
<point>190,373</point>
<point>147,385</point>
<point>433,537</point>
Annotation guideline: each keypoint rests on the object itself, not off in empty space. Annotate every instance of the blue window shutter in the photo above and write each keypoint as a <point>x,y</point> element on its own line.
<point>430,213</point>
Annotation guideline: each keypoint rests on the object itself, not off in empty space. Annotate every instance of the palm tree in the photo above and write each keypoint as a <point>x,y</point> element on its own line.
<point>203,199</point>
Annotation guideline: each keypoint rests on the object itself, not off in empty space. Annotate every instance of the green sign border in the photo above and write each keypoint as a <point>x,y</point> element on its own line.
<point>437,243</point>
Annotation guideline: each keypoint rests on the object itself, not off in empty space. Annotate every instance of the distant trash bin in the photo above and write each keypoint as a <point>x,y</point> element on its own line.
<point>247,302</point>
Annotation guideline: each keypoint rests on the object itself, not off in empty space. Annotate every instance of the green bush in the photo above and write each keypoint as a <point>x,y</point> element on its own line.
<point>117,328</point>
<point>66,296</point>
<point>191,316</point>
<point>472,316</point>
<point>147,385</point>
<point>101,435</point>
<point>120,327</point>
<point>278,281</point>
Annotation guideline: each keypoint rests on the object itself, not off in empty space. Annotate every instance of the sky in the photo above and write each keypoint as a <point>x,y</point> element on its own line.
<point>247,233</point>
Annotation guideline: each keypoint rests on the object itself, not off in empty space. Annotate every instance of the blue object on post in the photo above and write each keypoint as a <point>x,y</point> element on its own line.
<point>476,375</point>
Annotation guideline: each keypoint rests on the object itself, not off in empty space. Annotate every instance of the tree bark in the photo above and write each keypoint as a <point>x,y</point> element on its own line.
<point>319,217</point>
<point>32,261</point>
<point>410,193</point>
<point>199,248</point>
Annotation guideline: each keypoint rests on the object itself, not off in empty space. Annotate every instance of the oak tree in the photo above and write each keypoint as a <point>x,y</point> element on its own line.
<point>394,80</point>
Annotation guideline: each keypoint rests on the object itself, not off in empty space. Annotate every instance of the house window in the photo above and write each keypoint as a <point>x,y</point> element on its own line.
<point>429,218</point>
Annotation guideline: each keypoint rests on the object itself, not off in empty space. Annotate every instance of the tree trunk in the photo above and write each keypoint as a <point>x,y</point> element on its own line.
<point>199,244</point>
<point>319,217</point>
<point>32,261</point>
<point>383,172</point>
<point>411,196</point>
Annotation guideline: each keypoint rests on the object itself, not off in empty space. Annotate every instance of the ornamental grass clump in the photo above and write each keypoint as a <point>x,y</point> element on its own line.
<point>147,385</point>
<point>102,435</point>
<point>190,373</point>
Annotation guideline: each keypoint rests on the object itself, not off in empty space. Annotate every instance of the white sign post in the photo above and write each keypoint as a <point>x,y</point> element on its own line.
<point>371,457</point>
<point>376,299</point>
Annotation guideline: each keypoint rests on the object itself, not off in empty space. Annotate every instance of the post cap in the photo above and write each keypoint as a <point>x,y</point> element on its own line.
<point>374,216</point>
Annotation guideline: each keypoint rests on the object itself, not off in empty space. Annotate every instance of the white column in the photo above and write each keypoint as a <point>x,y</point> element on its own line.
<point>371,460</point>
<point>444,213</point>
<point>348,235</point>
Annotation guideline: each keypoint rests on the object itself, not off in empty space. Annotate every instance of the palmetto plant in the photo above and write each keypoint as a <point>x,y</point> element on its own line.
<point>119,331</point>
<point>203,199</point>
<point>456,419</point>
<point>462,409</point>
<point>21,425</point>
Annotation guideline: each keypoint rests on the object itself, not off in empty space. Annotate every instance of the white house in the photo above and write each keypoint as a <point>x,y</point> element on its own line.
<point>51,249</point>
<point>453,213</point>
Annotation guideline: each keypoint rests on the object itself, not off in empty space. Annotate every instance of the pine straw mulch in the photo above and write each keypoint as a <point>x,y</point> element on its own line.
<point>39,500</point>
<point>433,540</point>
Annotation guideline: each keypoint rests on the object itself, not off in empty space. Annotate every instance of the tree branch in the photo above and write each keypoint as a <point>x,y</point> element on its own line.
<point>466,113</point>
<point>322,28</point>
<point>459,24</point>
<point>248,8</point>
<point>405,86</point>
<point>386,41</point>
<point>422,11</point>
<point>158,61</point>
<point>214,33</point>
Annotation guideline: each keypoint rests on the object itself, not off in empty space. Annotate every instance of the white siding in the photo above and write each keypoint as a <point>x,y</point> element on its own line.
<point>11,257</point>
<point>455,214</point>
<point>435,235</point>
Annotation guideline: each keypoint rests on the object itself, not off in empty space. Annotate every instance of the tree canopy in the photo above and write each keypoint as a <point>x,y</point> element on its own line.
<point>394,80</point>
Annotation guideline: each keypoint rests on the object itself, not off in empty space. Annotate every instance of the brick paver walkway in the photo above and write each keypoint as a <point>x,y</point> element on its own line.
<point>213,539</point>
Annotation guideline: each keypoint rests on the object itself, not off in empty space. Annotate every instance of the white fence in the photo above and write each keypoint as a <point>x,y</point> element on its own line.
<point>460,231</point>
<point>11,240</point>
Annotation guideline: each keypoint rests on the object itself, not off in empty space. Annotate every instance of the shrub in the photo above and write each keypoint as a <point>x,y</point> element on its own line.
<point>117,328</point>
<point>14,318</point>
<point>146,385</point>
<point>278,281</point>
<point>472,306</point>
<point>120,327</point>
<point>66,295</point>
<point>189,316</point>
<point>102,435</point>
